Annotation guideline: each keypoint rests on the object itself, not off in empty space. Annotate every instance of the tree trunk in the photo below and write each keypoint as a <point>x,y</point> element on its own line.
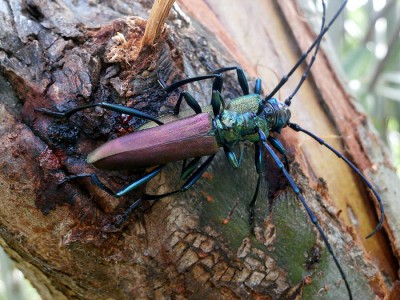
<point>196,244</point>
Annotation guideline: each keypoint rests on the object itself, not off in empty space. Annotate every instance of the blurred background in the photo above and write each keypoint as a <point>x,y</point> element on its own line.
<point>13,285</point>
<point>367,43</point>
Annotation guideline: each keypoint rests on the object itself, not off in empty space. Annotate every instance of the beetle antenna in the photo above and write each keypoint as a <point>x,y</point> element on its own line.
<point>285,78</point>
<point>288,100</point>
<point>297,128</point>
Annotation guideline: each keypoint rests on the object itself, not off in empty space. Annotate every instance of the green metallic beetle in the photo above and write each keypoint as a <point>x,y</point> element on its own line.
<point>180,137</point>
<point>199,135</point>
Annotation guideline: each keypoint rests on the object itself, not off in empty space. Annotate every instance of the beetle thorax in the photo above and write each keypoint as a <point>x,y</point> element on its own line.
<point>233,127</point>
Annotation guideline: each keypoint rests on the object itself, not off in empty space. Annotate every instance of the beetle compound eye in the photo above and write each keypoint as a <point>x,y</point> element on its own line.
<point>270,116</point>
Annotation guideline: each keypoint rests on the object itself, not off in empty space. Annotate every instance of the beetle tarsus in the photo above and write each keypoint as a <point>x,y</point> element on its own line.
<point>49,112</point>
<point>105,105</point>
<point>121,219</point>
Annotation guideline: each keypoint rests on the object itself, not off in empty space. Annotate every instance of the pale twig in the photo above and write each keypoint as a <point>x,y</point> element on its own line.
<point>155,24</point>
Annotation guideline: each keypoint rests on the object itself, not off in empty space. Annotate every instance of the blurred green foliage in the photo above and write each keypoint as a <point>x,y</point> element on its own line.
<point>367,41</point>
<point>13,285</point>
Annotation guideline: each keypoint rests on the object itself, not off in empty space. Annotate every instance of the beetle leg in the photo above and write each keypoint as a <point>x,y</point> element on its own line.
<point>96,181</point>
<point>113,107</point>
<point>279,147</point>
<point>217,102</point>
<point>147,177</point>
<point>258,163</point>
<point>258,87</point>
<point>188,184</point>
<point>240,76</point>
<point>216,74</point>
<point>189,100</point>
<point>146,197</point>
<point>313,218</point>
<point>175,85</point>
<point>258,160</point>
<point>258,90</point>
<point>121,219</point>
<point>216,86</point>
<point>231,156</point>
<point>352,166</point>
<point>188,169</point>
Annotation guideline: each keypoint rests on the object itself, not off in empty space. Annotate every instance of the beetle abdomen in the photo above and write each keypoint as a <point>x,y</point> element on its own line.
<point>183,139</point>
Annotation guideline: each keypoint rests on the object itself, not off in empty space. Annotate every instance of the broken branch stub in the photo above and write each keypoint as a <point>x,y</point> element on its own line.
<point>155,24</point>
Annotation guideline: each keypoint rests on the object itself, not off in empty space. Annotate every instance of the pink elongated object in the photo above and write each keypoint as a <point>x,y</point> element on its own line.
<point>182,139</point>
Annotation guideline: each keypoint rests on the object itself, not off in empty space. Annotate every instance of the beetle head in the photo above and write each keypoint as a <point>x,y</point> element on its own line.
<point>277,114</point>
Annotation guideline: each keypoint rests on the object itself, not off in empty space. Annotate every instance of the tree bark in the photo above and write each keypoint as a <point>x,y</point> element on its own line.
<point>196,244</point>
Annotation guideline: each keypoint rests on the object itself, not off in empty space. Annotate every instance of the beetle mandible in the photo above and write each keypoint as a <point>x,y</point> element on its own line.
<point>247,118</point>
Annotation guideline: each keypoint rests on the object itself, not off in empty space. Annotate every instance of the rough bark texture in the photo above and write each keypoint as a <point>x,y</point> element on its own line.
<point>197,244</point>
